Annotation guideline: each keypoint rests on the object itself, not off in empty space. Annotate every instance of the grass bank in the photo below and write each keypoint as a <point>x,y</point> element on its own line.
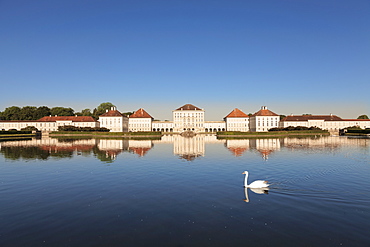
<point>357,132</point>
<point>16,134</point>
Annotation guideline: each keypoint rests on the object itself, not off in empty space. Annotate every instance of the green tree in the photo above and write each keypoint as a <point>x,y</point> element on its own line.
<point>42,111</point>
<point>28,113</point>
<point>12,113</point>
<point>101,109</point>
<point>86,112</point>
<point>282,116</point>
<point>62,111</point>
<point>363,117</point>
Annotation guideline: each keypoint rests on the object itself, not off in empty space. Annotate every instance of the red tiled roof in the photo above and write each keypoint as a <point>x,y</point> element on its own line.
<point>237,113</point>
<point>264,112</point>
<point>188,107</point>
<point>112,113</point>
<point>301,118</point>
<point>141,113</point>
<point>66,118</point>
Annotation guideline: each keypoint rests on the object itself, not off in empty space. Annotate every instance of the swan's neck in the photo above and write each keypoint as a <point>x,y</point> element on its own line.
<point>246,180</point>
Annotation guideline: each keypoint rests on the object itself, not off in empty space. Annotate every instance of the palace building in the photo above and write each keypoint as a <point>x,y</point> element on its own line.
<point>189,118</point>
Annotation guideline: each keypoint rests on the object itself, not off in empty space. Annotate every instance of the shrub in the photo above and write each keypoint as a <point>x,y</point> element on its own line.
<point>30,128</point>
<point>82,129</point>
<point>291,128</point>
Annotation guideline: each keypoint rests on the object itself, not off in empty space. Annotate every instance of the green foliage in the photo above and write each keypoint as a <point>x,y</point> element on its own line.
<point>28,113</point>
<point>14,131</point>
<point>35,113</point>
<point>41,111</point>
<point>363,117</point>
<point>12,113</point>
<point>30,128</point>
<point>62,111</point>
<point>291,128</point>
<point>101,109</point>
<point>82,129</point>
<point>359,131</point>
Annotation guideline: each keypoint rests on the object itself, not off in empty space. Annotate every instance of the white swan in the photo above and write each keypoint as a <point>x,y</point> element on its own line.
<point>255,184</point>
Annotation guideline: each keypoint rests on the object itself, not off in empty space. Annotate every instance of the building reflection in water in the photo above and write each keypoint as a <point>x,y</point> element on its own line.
<point>237,147</point>
<point>265,146</point>
<point>141,147</point>
<point>188,148</point>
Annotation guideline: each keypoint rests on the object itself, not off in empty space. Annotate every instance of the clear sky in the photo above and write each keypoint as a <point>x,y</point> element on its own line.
<point>306,56</point>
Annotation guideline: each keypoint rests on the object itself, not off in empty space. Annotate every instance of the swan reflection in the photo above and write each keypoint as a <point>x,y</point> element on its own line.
<point>255,190</point>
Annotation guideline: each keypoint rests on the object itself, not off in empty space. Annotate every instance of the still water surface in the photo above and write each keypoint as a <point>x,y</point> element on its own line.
<point>184,192</point>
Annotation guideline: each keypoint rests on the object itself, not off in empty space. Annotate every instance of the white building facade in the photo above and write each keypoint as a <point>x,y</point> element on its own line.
<point>188,118</point>
<point>237,120</point>
<point>327,122</point>
<point>163,126</point>
<point>263,120</point>
<point>114,121</point>
<point>50,123</point>
<point>214,126</point>
<point>140,121</point>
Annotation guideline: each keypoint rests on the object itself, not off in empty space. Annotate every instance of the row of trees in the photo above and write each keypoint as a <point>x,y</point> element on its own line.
<point>34,113</point>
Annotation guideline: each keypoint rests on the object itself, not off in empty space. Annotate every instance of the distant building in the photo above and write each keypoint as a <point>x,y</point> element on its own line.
<point>237,121</point>
<point>50,123</point>
<point>140,121</point>
<point>214,126</point>
<point>114,120</point>
<point>327,122</point>
<point>188,118</point>
<point>163,126</point>
<point>263,120</point>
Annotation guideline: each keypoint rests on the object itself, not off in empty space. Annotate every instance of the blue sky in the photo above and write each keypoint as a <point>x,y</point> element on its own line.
<point>307,56</point>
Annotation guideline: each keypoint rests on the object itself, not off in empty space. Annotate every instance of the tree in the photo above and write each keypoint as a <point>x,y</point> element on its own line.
<point>42,111</point>
<point>101,109</point>
<point>28,113</point>
<point>282,116</point>
<point>84,112</point>
<point>363,117</point>
<point>62,111</point>
<point>12,113</point>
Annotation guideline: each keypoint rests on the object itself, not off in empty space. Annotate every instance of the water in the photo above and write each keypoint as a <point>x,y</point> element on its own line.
<point>184,192</point>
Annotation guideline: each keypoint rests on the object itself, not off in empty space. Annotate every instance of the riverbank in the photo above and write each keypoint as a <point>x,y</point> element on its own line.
<point>17,134</point>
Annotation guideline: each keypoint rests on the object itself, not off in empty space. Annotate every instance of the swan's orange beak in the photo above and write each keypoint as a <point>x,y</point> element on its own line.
<point>243,172</point>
